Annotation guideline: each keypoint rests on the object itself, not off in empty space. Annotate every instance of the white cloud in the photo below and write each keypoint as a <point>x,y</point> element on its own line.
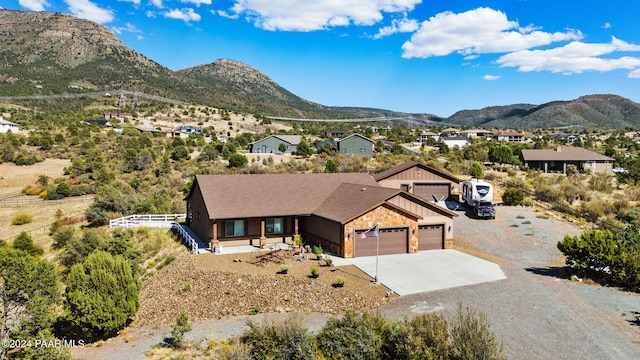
<point>635,74</point>
<point>491,77</point>
<point>197,2</point>
<point>85,9</point>
<point>478,31</point>
<point>135,2</point>
<point>305,15</point>
<point>34,5</point>
<point>157,3</point>
<point>128,28</point>
<point>606,25</point>
<point>185,15</point>
<point>575,57</point>
<point>397,26</point>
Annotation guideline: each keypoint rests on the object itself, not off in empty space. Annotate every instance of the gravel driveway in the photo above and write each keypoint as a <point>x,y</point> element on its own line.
<point>537,312</point>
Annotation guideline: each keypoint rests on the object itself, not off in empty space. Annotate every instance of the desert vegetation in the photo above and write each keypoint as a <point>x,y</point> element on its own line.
<point>96,275</point>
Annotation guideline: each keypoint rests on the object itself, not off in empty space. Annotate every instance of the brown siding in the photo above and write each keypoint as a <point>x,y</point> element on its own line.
<point>324,232</point>
<point>203,227</point>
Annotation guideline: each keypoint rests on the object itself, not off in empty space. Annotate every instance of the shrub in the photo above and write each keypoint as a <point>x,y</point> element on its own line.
<point>424,337</point>
<point>178,330</point>
<point>476,170</point>
<point>512,196</point>
<point>62,236</point>
<point>32,190</point>
<point>592,252</point>
<point>472,338</point>
<point>314,271</point>
<point>288,340</point>
<point>25,243</point>
<point>353,336</point>
<point>21,219</point>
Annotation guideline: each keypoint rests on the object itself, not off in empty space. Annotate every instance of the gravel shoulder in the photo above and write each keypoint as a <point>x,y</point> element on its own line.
<point>537,311</point>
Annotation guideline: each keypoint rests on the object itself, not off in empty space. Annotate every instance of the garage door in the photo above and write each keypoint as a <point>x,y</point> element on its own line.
<point>430,237</point>
<point>427,191</point>
<point>392,241</point>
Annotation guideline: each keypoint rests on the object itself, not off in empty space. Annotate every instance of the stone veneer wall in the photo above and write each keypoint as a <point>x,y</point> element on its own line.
<point>387,217</point>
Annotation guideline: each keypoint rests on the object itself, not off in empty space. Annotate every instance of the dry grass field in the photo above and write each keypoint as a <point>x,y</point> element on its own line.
<point>13,177</point>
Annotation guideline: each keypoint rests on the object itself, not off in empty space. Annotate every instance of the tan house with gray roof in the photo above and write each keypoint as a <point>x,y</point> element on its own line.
<point>325,209</point>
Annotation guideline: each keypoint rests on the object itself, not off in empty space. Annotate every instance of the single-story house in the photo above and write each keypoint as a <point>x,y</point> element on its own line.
<point>336,134</point>
<point>509,136</point>
<point>475,133</point>
<point>421,180</point>
<point>568,138</point>
<point>187,130</point>
<point>161,132</point>
<point>271,144</point>
<point>557,160</point>
<point>450,132</point>
<point>99,122</point>
<point>451,141</point>
<point>6,125</point>
<point>325,209</point>
<point>356,144</point>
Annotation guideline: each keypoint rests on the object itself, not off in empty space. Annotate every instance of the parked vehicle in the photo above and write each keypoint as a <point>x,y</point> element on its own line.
<point>485,209</point>
<point>475,190</point>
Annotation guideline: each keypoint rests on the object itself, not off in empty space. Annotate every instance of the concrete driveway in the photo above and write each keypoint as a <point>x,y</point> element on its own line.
<point>426,270</point>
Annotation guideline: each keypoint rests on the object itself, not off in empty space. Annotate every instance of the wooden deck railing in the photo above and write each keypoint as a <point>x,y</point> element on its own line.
<point>146,220</point>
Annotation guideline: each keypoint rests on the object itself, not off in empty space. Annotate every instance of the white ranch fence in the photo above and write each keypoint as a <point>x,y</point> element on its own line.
<point>165,221</point>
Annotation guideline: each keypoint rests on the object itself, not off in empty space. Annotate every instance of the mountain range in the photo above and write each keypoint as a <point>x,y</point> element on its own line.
<point>45,53</point>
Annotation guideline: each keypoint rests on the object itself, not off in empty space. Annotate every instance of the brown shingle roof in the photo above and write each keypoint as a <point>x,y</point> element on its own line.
<point>408,165</point>
<point>260,195</point>
<point>349,201</point>
<point>566,153</point>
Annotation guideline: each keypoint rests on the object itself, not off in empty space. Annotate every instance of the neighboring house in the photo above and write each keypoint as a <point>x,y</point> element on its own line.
<point>188,130</point>
<point>475,133</point>
<point>557,160</point>
<point>98,122</point>
<point>271,144</point>
<point>356,144</point>
<point>509,136</point>
<point>117,115</point>
<point>421,180</point>
<point>450,132</point>
<point>451,141</point>
<point>6,125</point>
<point>568,138</point>
<point>426,135</point>
<point>325,209</point>
<point>336,134</point>
<point>161,132</point>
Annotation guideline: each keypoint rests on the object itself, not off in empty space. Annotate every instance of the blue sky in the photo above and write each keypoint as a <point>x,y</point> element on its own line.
<point>429,56</point>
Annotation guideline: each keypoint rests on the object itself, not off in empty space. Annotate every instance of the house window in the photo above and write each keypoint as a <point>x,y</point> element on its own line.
<point>274,226</point>
<point>234,228</point>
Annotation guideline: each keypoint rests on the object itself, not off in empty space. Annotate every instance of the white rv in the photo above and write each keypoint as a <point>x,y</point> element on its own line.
<point>476,190</point>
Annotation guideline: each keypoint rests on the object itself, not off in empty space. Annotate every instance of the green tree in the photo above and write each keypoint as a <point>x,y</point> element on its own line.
<point>476,170</point>
<point>24,242</point>
<point>77,249</point>
<point>29,294</point>
<point>103,293</point>
<point>181,327</point>
<point>237,160</point>
<point>64,189</point>
<point>282,147</point>
<point>303,149</point>
<point>288,340</point>
<point>594,252</point>
<point>424,337</point>
<point>331,166</point>
<point>501,154</point>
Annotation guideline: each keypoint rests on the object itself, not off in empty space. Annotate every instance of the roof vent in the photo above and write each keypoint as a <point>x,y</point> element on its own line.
<point>363,189</point>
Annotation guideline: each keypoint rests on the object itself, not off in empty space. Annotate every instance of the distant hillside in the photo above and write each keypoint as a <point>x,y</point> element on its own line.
<point>592,111</point>
<point>43,53</point>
